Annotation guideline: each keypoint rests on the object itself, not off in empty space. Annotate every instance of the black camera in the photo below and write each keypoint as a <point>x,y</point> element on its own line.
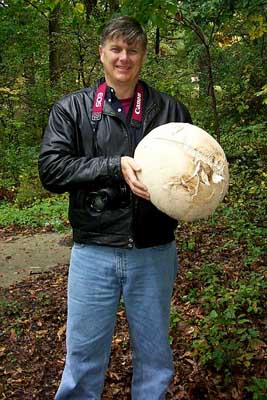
<point>108,198</point>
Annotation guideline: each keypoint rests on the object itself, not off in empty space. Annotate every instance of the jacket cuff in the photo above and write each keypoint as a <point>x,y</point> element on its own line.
<point>114,167</point>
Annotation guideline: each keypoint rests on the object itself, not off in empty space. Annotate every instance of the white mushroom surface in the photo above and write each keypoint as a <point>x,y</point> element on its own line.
<point>185,170</point>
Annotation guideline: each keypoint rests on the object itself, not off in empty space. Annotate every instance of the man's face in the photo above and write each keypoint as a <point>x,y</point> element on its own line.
<point>122,61</point>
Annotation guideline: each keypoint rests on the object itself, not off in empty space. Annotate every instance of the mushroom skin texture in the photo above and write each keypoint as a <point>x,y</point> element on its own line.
<point>185,170</point>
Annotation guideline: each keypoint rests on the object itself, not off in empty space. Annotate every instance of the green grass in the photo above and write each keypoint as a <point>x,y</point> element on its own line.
<point>51,211</point>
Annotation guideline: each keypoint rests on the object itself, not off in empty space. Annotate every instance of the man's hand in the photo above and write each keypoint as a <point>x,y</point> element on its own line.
<point>129,168</point>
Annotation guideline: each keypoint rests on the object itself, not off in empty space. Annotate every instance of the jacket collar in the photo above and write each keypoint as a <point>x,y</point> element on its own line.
<point>152,103</point>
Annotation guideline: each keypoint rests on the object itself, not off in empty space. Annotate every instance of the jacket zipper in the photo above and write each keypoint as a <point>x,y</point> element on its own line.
<point>146,122</point>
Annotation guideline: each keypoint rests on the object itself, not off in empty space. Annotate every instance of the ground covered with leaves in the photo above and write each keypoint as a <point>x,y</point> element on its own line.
<point>218,326</point>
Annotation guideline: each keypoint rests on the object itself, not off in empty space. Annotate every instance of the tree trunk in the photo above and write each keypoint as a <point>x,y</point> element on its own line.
<point>114,5</point>
<point>54,57</point>
<point>81,75</point>
<point>206,85</point>
<point>212,94</point>
<point>157,41</point>
<point>205,64</point>
<point>89,6</point>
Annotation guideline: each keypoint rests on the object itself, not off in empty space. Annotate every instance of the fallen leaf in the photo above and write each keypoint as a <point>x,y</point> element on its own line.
<point>13,335</point>
<point>2,351</point>
<point>61,331</point>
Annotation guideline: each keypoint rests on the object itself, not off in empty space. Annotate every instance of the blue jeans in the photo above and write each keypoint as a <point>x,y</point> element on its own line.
<point>98,277</point>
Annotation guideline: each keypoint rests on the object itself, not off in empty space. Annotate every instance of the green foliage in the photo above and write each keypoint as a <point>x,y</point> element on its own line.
<point>44,298</point>
<point>29,191</point>
<point>50,212</point>
<point>153,11</point>
<point>12,308</point>
<point>175,318</point>
<point>263,93</point>
<point>19,178</point>
<point>190,244</point>
<point>258,388</point>
<point>245,204</point>
<point>226,337</point>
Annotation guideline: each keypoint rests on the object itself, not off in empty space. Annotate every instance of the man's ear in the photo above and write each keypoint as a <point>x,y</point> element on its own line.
<point>100,51</point>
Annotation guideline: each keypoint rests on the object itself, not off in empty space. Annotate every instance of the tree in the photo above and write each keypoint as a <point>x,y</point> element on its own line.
<point>54,48</point>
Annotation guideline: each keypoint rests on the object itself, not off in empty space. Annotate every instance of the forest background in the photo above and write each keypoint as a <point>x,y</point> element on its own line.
<point>211,55</point>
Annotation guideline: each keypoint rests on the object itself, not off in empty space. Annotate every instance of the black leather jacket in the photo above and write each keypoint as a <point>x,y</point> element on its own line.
<point>75,159</point>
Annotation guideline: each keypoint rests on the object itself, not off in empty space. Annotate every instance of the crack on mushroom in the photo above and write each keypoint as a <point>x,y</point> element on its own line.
<point>203,173</point>
<point>214,159</point>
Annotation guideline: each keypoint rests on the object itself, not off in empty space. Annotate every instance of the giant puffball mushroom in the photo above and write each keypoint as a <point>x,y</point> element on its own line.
<point>184,169</point>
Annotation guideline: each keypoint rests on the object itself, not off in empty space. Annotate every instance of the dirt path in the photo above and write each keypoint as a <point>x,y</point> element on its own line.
<point>22,255</point>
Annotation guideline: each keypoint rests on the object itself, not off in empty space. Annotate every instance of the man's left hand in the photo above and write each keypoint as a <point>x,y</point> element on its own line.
<point>129,170</point>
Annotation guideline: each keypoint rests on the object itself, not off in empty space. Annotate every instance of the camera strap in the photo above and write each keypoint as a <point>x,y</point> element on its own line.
<point>98,103</point>
<point>99,99</point>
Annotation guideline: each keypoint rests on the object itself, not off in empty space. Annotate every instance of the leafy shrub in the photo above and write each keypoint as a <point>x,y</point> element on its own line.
<point>258,388</point>
<point>226,337</point>
<point>48,212</point>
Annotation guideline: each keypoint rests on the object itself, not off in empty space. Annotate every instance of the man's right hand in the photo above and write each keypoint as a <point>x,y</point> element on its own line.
<point>129,169</point>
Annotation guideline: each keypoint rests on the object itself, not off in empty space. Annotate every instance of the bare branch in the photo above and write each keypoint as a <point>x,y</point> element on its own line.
<point>37,8</point>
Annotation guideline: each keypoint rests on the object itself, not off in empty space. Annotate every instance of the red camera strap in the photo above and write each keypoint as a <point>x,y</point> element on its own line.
<point>99,99</point>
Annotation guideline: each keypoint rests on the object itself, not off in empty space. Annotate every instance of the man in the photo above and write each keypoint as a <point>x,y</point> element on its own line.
<point>123,245</point>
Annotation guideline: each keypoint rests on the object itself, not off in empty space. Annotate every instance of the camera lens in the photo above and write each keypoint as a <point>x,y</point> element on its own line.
<point>108,198</point>
<point>98,201</point>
